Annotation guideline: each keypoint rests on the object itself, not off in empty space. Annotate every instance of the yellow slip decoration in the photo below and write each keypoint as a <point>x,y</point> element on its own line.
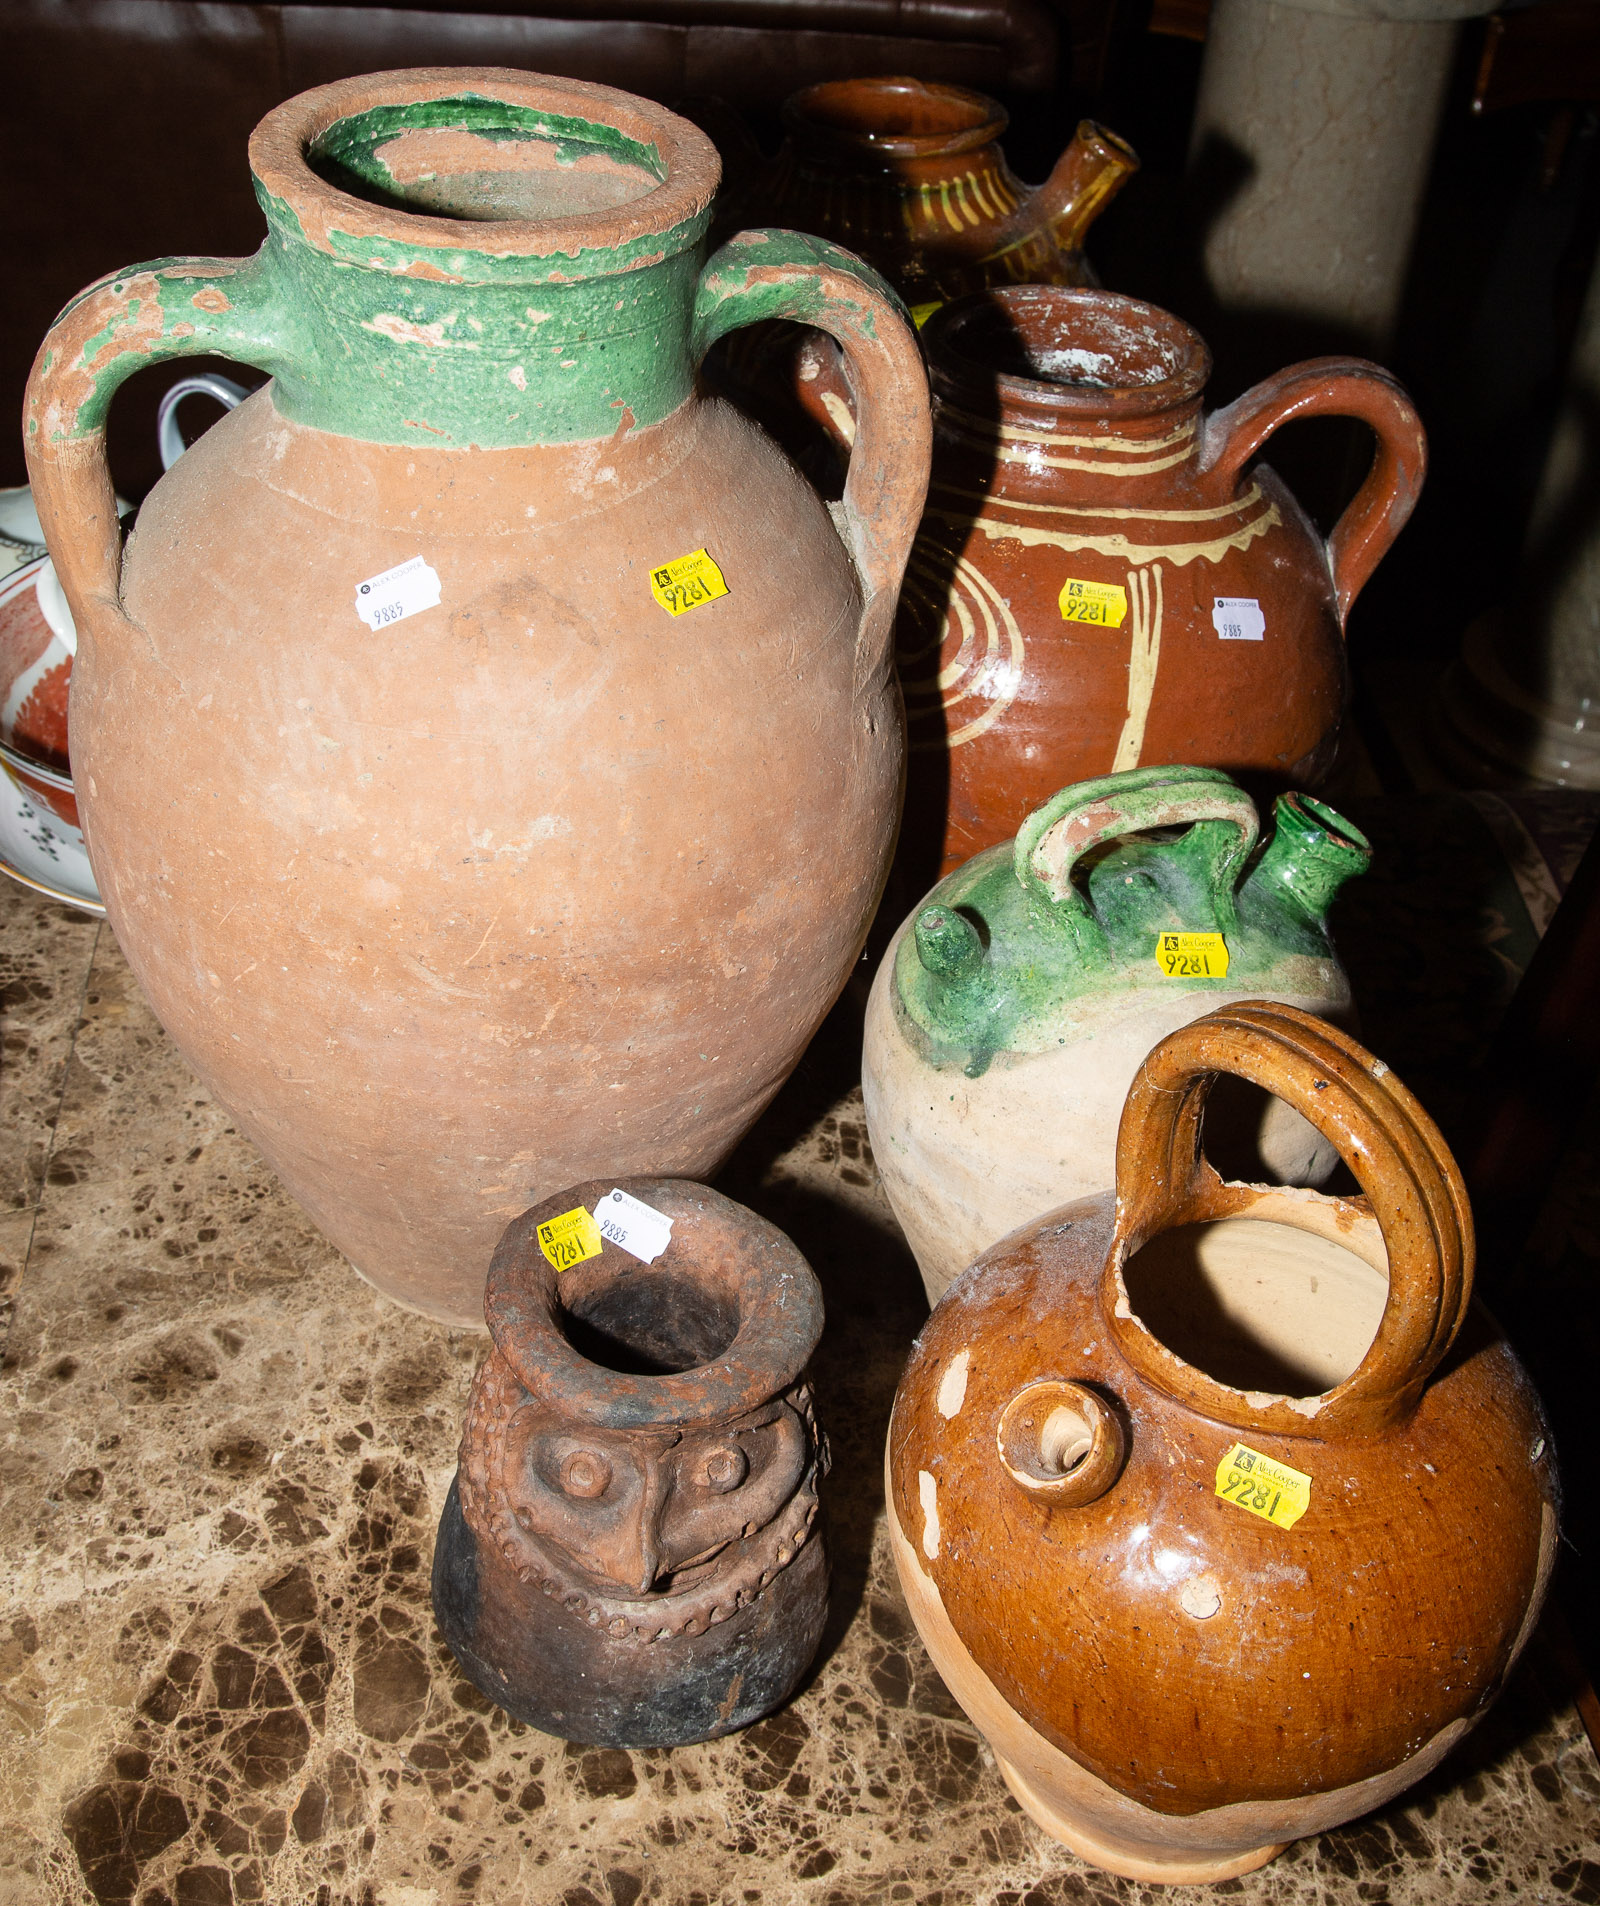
<point>1192,955</point>
<point>683,585</point>
<point>1102,603</point>
<point>569,1239</point>
<point>920,313</point>
<point>1273,1491</point>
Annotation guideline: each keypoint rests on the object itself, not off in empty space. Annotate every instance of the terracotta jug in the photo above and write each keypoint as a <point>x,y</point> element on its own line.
<point>630,1554</point>
<point>1222,1511</point>
<point>1103,582</point>
<point>488,745</point>
<point>1015,1005</point>
<point>910,174</point>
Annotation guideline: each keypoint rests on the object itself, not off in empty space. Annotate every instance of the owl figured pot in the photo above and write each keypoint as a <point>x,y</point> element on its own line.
<point>629,1555</point>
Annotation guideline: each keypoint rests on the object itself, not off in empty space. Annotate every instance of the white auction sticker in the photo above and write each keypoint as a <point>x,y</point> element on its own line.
<point>1239,619</point>
<point>635,1225</point>
<point>397,593</point>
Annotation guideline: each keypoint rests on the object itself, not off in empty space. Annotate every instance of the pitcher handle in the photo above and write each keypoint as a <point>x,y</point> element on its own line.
<point>1333,387</point>
<point>775,274</point>
<point>221,390</point>
<point>1221,817</point>
<point>149,314</point>
<point>1411,1183</point>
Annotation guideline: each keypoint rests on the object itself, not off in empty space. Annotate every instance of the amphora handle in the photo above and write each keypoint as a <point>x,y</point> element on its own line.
<point>1222,819</point>
<point>148,314</point>
<point>1333,387</point>
<point>1412,1186</point>
<point>776,274</point>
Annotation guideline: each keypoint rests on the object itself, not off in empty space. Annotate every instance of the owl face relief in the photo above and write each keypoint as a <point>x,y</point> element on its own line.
<point>636,1512</point>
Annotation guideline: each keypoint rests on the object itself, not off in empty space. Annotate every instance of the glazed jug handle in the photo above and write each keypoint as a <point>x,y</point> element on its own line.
<point>1332,387</point>
<point>774,274</point>
<point>1221,818</point>
<point>149,314</point>
<point>1411,1183</point>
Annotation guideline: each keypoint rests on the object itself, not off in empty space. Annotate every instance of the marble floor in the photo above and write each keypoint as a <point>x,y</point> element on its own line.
<point>221,1462</point>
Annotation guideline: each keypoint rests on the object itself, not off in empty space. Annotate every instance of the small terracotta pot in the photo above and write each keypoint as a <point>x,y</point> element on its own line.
<point>1099,582</point>
<point>1220,1535</point>
<point>630,1554</point>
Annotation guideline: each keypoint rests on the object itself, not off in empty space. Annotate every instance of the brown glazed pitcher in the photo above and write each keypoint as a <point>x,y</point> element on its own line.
<point>909,173</point>
<point>488,745</point>
<point>1102,580</point>
<point>1223,1511</point>
<point>630,1555</point>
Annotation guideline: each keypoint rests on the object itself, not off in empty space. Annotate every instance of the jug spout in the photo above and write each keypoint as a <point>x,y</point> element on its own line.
<point>1087,177</point>
<point>1313,852</point>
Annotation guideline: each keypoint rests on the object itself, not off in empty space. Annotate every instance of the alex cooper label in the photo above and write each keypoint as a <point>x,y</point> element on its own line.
<point>687,582</point>
<point>1238,619</point>
<point>1273,1491</point>
<point>397,593</point>
<point>569,1239</point>
<point>1105,604</point>
<point>638,1227</point>
<point>1192,955</point>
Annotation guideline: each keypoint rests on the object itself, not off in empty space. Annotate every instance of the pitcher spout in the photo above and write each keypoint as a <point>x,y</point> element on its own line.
<point>1313,852</point>
<point>1087,177</point>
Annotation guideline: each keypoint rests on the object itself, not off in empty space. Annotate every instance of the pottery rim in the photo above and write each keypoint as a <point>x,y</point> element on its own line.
<point>969,341</point>
<point>680,158</point>
<point>729,1253</point>
<point>896,117</point>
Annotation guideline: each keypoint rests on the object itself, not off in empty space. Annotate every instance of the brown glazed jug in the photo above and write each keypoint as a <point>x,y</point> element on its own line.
<point>1104,581</point>
<point>630,1554</point>
<point>487,744</point>
<point>909,173</point>
<point>1222,1510</point>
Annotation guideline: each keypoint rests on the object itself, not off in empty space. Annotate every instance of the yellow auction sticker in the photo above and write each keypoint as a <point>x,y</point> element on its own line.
<point>684,584</point>
<point>1273,1491</point>
<point>569,1239</point>
<point>1192,955</point>
<point>1102,603</point>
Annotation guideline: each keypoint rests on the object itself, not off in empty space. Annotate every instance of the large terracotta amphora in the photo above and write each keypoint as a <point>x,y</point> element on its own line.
<point>910,174</point>
<point>1223,1511</point>
<point>1016,1003</point>
<point>488,745</point>
<point>1103,581</point>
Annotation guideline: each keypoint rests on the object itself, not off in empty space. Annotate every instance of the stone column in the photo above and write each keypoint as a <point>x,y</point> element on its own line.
<point>1326,112</point>
<point>1523,701</point>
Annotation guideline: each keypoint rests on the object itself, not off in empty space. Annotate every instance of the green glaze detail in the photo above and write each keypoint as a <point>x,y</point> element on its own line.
<point>1313,852</point>
<point>454,348</point>
<point>947,943</point>
<point>170,308</point>
<point>349,154</point>
<point>1007,952</point>
<point>445,347</point>
<point>775,274</point>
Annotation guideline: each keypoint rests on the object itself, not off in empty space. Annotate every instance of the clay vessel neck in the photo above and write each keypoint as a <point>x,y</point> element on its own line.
<point>1067,396</point>
<point>524,251</point>
<point>912,173</point>
<point>892,125</point>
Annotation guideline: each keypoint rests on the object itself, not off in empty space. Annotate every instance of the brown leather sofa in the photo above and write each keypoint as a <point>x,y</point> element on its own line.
<point>125,121</point>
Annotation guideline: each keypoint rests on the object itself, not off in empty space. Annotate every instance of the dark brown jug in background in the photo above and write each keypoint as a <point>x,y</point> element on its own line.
<point>1102,581</point>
